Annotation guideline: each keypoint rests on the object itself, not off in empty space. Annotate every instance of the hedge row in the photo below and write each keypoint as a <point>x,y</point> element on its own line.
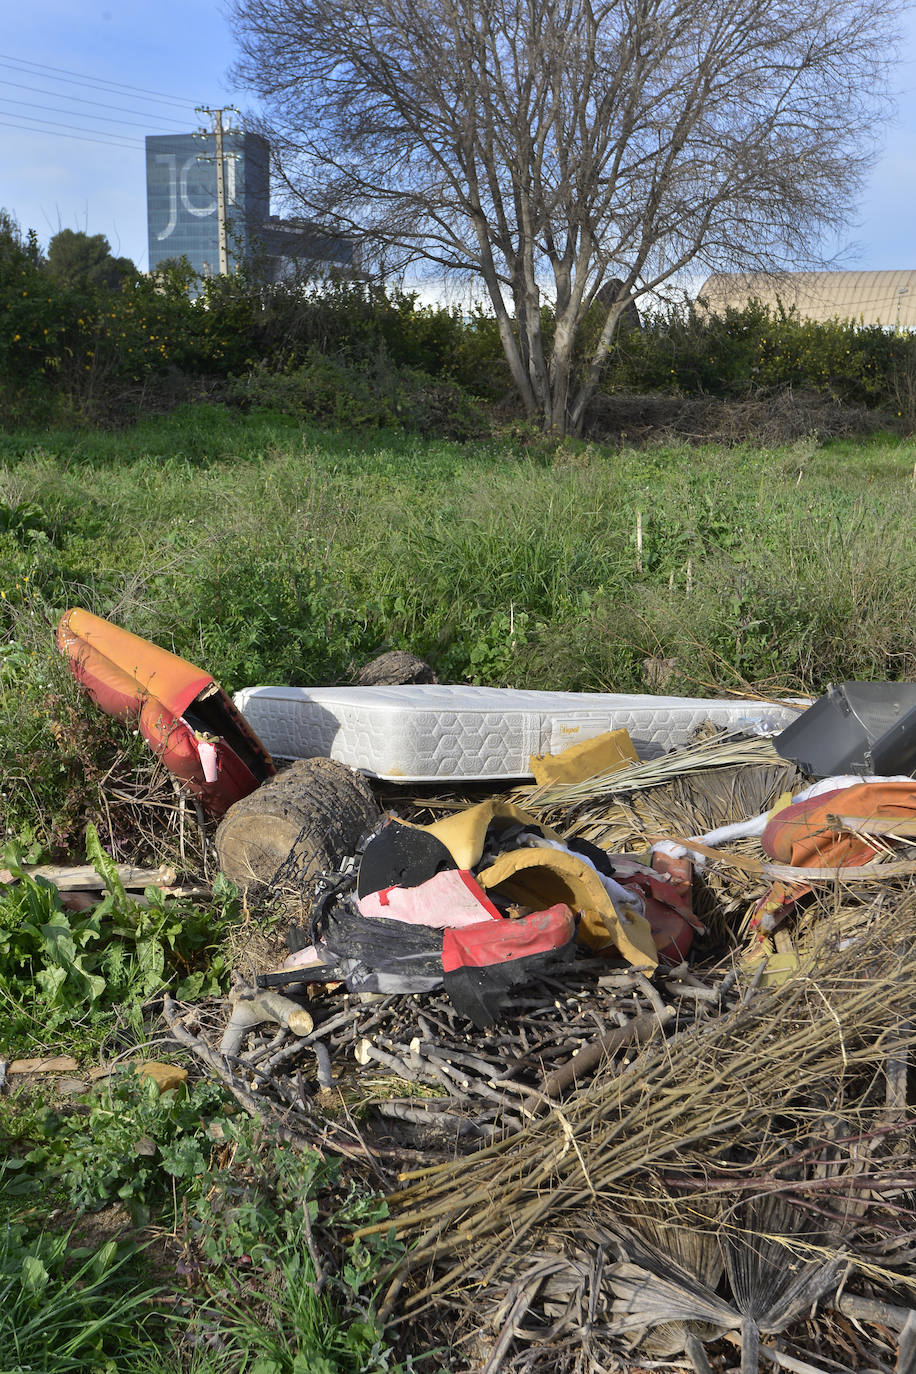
<point>75,349</point>
<point>756,349</point>
<point>353,353</point>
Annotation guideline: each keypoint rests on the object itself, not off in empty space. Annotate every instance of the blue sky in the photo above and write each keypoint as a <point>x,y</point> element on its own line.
<point>154,62</point>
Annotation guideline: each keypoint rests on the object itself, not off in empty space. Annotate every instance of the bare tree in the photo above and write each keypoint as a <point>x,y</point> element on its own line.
<point>548,145</point>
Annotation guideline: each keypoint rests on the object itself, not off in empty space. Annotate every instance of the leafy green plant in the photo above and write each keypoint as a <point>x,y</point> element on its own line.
<point>60,964</point>
<point>362,392</point>
<point>124,1141</point>
<point>23,519</point>
<point>491,641</point>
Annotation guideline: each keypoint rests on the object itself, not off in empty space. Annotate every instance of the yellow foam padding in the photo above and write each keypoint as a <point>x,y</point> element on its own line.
<point>780,804</point>
<point>463,834</point>
<point>604,754</point>
<point>538,878</point>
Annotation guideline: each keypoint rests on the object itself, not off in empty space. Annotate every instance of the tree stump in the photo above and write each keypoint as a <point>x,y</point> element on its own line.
<point>303,822</point>
<point>395,669</point>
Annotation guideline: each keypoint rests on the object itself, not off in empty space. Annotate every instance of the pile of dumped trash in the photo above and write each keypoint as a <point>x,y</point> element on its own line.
<point>705,956</point>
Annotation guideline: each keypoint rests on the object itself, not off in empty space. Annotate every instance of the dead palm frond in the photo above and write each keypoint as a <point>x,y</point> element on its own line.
<point>688,804</point>
<point>750,1267</point>
<point>721,751</point>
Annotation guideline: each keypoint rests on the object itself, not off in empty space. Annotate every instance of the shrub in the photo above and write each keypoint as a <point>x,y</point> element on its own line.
<point>370,395</point>
<point>745,351</point>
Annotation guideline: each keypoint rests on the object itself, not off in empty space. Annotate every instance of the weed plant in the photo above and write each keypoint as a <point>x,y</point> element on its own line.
<point>226,1205</point>
<point>228,1210</point>
<point>65,969</point>
<point>69,1309</point>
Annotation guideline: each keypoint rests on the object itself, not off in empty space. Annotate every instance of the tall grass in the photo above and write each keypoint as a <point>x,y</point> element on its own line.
<point>65,1311</point>
<point>280,554</point>
<point>273,552</point>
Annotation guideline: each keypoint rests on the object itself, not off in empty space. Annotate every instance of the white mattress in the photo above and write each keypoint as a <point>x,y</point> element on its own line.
<point>430,733</point>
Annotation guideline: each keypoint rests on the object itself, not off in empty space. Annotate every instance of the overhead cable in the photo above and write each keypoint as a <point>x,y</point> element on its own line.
<point>57,132</point>
<point>79,78</point>
<point>81,100</point>
<point>82,114</point>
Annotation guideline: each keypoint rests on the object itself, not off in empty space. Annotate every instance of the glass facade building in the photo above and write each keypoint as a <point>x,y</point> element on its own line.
<point>287,250</point>
<point>181,203</point>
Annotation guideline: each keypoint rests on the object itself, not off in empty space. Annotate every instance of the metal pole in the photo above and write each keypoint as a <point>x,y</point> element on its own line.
<point>221,196</point>
<point>221,225</point>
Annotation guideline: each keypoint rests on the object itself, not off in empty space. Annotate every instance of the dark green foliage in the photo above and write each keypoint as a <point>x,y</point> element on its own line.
<point>81,336</point>
<point>76,259</point>
<point>38,321</point>
<point>359,322</point>
<point>374,394</point>
<point>757,349</point>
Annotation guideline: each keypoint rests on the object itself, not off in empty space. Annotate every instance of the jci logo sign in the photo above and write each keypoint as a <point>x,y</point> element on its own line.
<point>192,187</point>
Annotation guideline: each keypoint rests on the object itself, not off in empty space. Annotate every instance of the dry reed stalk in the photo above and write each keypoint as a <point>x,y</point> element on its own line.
<point>766,1076</point>
<point>849,914</point>
<point>145,819</point>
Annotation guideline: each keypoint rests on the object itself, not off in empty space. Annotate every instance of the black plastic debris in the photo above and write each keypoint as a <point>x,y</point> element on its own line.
<point>858,727</point>
<point>401,856</point>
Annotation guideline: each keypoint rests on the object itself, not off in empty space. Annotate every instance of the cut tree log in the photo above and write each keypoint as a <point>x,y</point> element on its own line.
<point>305,820</point>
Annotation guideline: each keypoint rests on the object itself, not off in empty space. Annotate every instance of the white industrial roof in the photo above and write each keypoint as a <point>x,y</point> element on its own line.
<point>885,298</point>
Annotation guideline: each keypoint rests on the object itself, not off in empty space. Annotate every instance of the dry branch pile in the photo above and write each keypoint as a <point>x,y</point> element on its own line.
<point>628,1168</point>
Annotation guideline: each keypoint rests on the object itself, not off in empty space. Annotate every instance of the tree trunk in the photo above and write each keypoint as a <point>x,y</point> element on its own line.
<point>560,370</point>
<point>593,376</point>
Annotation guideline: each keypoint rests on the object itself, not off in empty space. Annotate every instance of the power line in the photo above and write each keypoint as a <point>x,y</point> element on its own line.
<point>78,78</point>
<point>87,137</point>
<point>81,100</point>
<point>56,109</point>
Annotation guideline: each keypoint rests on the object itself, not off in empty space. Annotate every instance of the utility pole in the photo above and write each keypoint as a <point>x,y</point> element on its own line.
<point>217,117</point>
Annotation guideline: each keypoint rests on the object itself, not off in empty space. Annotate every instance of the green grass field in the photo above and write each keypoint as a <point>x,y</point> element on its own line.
<point>272,552</point>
